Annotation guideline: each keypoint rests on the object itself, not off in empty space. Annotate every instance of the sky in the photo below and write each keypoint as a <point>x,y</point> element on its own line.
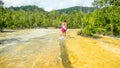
<point>48,5</point>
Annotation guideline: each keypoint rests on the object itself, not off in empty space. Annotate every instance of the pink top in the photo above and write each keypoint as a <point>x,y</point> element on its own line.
<point>64,26</point>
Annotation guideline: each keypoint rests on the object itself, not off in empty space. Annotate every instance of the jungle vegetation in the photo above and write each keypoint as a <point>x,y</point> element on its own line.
<point>103,18</point>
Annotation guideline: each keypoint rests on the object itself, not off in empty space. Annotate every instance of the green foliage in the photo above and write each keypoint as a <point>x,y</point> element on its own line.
<point>105,3</point>
<point>105,20</point>
<point>2,15</point>
<point>32,17</point>
<point>88,30</point>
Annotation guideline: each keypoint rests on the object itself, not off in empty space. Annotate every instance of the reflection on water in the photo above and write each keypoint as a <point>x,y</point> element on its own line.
<point>64,55</point>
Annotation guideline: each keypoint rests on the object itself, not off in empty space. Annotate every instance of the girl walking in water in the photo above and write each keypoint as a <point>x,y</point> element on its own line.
<point>64,28</point>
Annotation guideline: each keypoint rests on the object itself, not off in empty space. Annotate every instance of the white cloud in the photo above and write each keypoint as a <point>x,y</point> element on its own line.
<point>48,8</point>
<point>48,4</point>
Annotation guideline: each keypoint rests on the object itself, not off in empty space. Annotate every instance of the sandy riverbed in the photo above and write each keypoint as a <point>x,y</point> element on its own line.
<point>32,48</point>
<point>86,52</point>
<point>42,48</point>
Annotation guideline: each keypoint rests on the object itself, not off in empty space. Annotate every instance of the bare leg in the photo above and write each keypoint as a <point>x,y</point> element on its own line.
<point>64,34</point>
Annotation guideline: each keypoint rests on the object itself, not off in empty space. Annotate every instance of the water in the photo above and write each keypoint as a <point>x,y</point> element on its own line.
<point>25,37</point>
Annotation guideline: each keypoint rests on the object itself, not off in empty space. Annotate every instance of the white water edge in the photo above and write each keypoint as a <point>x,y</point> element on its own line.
<point>21,38</point>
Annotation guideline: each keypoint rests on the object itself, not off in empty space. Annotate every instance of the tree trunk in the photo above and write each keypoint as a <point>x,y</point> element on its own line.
<point>112,29</point>
<point>1,29</point>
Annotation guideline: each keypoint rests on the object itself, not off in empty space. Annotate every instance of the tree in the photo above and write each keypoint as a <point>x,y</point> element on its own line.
<point>1,16</point>
<point>105,3</point>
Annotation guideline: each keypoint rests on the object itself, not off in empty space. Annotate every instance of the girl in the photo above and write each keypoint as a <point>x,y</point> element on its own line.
<point>64,28</point>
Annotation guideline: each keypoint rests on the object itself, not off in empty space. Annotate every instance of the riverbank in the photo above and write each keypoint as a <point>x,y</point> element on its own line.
<point>93,53</point>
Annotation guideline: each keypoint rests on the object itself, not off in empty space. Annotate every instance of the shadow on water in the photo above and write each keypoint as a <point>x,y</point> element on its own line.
<point>8,31</point>
<point>6,41</point>
<point>64,55</point>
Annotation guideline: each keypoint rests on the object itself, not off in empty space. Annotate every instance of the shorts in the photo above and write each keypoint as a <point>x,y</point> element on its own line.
<point>63,30</point>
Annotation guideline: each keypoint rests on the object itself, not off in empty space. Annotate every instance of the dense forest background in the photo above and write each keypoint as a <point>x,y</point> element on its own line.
<point>103,18</point>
